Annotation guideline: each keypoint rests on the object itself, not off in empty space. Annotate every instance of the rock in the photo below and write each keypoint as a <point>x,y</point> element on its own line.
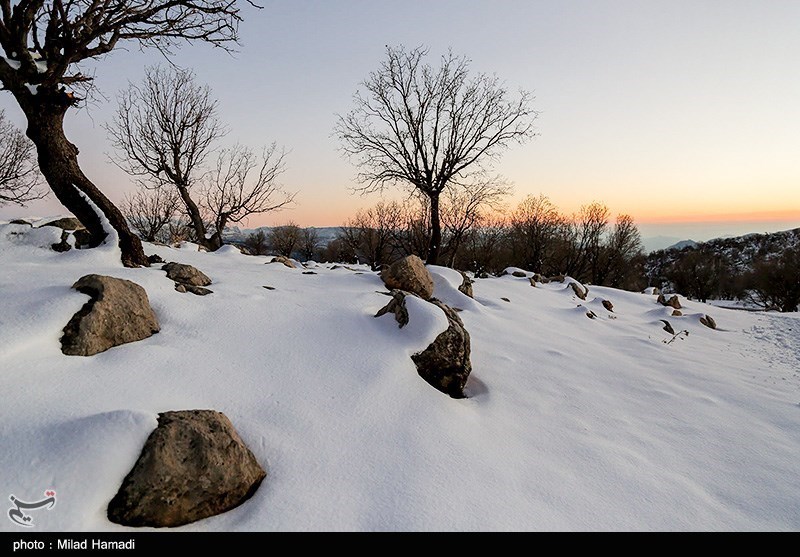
<point>505,299</point>
<point>580,291</point>
<point>82,238</point>
<point>672,302</point>
<point>19,221</point>
<point>557,278</point>
<point>482,275</point>
<point>180,288</point>
<point>539,278</point>
<point>269,287</point>
<point>445,363</point>
<point>651,290</point>
<point>186,274</point>
<point>676,313</point>
<point>608,305</point>
<point>197,290</point>
<point>194,465</point>
<point>409,274</point>
<point>64,244</point>
<point>119,312</point>
<point>591,315</point>
<point>66,223</point>
<point>397,306</point>
<point>519,274</point>
<point>155,258</point>
<point>532,281</point>
<point>466,284</point>
<point>668,327</point>
<point>309,273</point>
<point>285,260</point>
<point>708,321</point>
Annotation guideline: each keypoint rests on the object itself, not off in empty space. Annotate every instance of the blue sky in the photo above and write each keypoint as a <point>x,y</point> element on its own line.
<point>679,113</point>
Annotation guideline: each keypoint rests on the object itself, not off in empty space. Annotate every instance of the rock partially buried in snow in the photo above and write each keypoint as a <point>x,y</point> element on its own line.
<point>466,284</point>
<point>667,327</point>
<point>677,313</point>
<point>118,313</point>
<point>539,278</point>
<point>186,274</point>
<point>66,223</point>
<point>194,465</point>
<point>708,321</point>
<point>672,302</point>
<point>580,290</point>
<point>445,363</point>
<point>397,306</point>
<point>519,274</point>
<point>409,274</point>
<point>608,305</point>
<point>285,260</point>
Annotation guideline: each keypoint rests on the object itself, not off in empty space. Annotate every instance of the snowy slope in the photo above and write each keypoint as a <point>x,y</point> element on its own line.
<point>570,423</point>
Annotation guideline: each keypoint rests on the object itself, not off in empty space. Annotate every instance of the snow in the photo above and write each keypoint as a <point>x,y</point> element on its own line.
<point>570,423</point>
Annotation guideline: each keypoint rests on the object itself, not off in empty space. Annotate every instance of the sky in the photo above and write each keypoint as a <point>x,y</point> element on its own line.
<point>682,114</point>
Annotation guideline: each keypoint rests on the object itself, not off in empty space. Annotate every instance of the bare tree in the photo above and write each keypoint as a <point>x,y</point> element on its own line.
<point>534,225</point>
<point>164,131</point>
<point>462,210</point>
<point>241,185</point>
<point>149,212</point>
<point>372,233</point>
<point>623,245</point>
<point>257,242</point>
<point>285,239</point>
<point>45,40</point>
<point>484,246</point>
<point>19,174</point>
<point>429,128</point>
<point>309,242</point>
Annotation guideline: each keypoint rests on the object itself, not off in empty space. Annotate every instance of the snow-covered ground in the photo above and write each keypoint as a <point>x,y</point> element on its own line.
<point>570,423</point>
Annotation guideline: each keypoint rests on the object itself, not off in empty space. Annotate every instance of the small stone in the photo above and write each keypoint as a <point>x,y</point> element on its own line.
<point>708,321</point>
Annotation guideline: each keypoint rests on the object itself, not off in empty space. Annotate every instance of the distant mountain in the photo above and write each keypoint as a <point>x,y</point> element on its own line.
<point>654,243</point>
<point>684,244</point>
<point>234,234</point>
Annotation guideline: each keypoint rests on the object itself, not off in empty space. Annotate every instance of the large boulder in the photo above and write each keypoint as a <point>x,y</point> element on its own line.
<point>445,363</point>
<point>409,274</point>
<point>194,465</point>
<point>186,274</point>
<point>118,312</point>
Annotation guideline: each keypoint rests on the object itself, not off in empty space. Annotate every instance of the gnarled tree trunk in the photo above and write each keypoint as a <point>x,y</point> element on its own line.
<point>58,162</point>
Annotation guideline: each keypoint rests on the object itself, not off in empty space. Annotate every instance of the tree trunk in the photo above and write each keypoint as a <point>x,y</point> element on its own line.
<point>58,162</point>
<point>197,220</point>
<point>436,232</point>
